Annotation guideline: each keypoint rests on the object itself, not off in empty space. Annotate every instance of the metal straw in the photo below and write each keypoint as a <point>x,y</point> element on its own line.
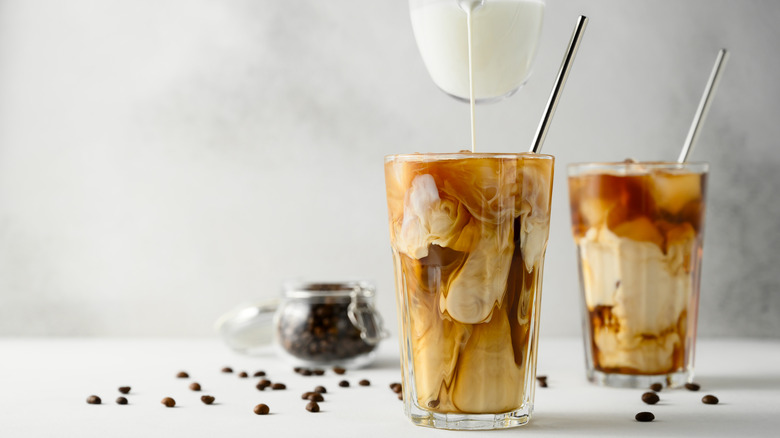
<point>560,81</point>
<point>704,106</point>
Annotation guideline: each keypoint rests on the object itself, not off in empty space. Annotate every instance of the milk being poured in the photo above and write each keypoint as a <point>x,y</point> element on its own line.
<point>505,34</point>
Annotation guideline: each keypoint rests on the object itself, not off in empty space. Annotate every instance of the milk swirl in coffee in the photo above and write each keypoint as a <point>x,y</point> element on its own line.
<point>468,234</point>
<point>639,235</point>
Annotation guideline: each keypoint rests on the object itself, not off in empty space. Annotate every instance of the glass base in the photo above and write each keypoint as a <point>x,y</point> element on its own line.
<point>671,380</point>
<point>438,420</point>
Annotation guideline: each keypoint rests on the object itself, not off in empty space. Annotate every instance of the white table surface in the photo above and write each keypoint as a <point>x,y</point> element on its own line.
<point>44,384</point>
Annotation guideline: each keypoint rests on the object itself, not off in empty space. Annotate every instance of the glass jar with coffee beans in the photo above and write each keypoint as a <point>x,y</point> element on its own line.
<point>326,324</point>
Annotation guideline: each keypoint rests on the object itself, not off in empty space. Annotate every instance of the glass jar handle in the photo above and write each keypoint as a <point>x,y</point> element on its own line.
<point>366,319</point>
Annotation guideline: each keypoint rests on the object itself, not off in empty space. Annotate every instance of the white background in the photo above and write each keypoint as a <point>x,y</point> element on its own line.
<point>163,161</point>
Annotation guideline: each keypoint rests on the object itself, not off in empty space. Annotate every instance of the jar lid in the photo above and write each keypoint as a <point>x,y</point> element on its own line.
<point>248,329</point>
<point>346,289</point>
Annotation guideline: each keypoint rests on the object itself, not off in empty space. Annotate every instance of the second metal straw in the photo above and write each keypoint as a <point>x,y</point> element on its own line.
<point>560,81</point>
<point>704,106</point>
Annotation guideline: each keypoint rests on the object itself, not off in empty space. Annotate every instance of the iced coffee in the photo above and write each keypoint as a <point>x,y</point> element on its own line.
<point>468,233</point>
<point>638,229</point>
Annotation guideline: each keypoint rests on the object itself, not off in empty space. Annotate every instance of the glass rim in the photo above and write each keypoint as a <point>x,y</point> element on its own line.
<point>461,155</point>
<point>694,166</point>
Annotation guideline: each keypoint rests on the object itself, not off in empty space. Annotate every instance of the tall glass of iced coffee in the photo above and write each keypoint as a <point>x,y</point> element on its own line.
<point>638,229</point>
<point>468,233</point>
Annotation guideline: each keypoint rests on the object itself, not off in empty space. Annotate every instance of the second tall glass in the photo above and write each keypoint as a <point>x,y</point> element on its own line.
<point>639,230</point>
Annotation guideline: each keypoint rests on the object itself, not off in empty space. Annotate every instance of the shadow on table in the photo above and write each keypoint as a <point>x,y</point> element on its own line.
<point>752,382</point>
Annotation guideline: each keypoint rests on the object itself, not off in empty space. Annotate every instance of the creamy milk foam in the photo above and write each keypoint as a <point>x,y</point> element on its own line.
<point>504,38</point>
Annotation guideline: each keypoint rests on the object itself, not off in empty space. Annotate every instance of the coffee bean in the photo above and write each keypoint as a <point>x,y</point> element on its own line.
<point>709,399</point>
<point>207,399</point>
<point>657,387</point>
<point>168,402</point>
<point>644,416</point>
<point>305,372</point>
<point>542,380</point>
<point>313,407</point>
<point>124,389</point>
<point>542,377</point>
<point>396,387</point>
<point>305,395</point>
<point>433,403</point>
<point>318,371</point>
<point>243,375</point>
<point>364,382</point>
<point>261,385</point>
<point>650,398</point>
<point>344,384</point>
<point>276,386</point>
<point>182,375</point>
<point>321,390</point>
<point>227,370</point>
<point>262,409</point>
<point>93,400</point>
<point>258,374</point>
<point>121,401</point>
<point>316,397</point>
<point>692,386</point>
<point>339,370</point>
<point>195,386</point>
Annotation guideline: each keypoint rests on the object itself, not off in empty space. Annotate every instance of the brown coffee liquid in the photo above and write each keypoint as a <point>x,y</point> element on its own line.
<point>662,208</point>
<point>469,367</point>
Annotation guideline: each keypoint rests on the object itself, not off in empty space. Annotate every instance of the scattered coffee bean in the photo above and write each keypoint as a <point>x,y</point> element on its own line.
<point>262,409</point>
<point>709,399</point>
<point>261,385</point>
<point>297,369</point>
<point>344,384</point>
<point>692,386</point>
<point>305,372</point>
<point>396,387</point>
<point>195,386</point>
<point>168,402</point>
<point>318,371</point>
<point>313,407</point>
<point>316,397</point>
<point>124,389</point>
<point>182,375</point>
<point>433,403</point>
<point>207,399</point>
<point>339,370</point>
<point>644,416</point>
<point>243,375</point>
<point>306,395</point>
<point>121,401</point>
<point>276,386</point>
<point>650,398</point>
<point>657,387</point>
<point>364,382</point>
<point>227,370</point>
<point>542,380</point>
<point>321,390</point>
<point>93,400</point>
<point>258,374</point>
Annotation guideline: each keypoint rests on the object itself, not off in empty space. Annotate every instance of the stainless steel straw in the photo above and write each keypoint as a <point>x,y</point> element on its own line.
<point>560,81</point>
<point>704,105</point>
